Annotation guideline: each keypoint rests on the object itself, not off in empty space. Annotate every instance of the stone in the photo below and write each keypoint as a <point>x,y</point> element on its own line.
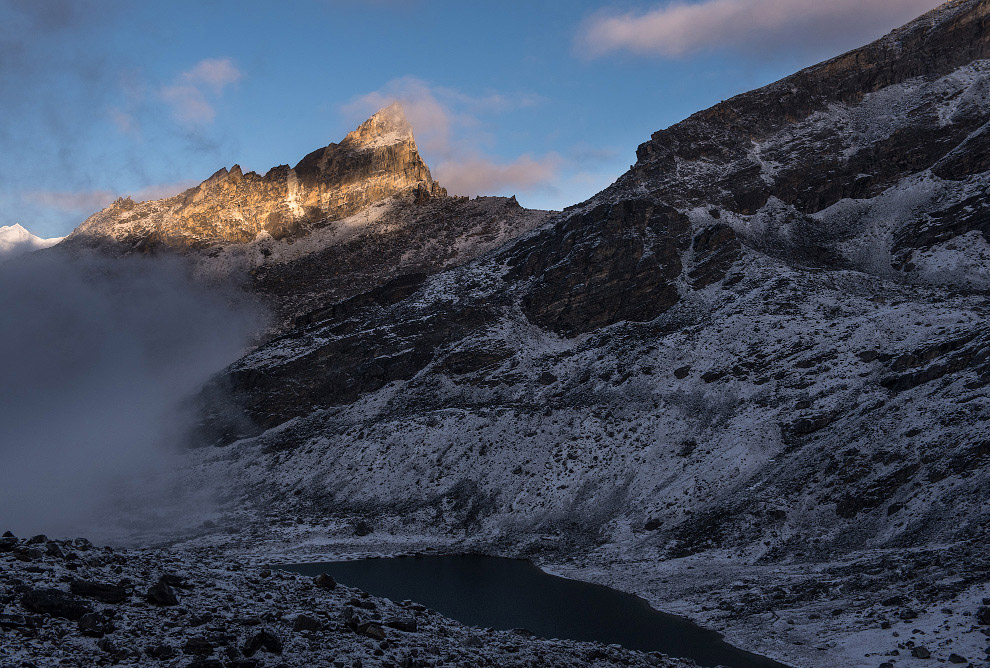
<point>162,652</point>
<point>198,647</point>
<point>266,639</point>
<point>955,658</point>
<point>25,553</point>
<point>56,603</point>
<point>407,624</point>
<point>15,621</point>
<point>205,663</point>
<point>983,615</point>
<point>173,580</point>
<point>95,625</point>
<point>105,593</point>
<point>306,623</point>
<point>162,594</point>
<point>920,652</point>
<point>325,581</point>
<point>372,630</point>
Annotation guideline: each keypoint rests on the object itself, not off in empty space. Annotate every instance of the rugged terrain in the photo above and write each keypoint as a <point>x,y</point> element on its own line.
<point>68,603</point>
<point>748,380</point>
<point>347,218</point>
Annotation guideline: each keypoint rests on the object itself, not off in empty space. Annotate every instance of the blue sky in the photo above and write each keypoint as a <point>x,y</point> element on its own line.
<point>544,99</point>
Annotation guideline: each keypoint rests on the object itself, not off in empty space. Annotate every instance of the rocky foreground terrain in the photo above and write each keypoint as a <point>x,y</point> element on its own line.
<point>68,603</point>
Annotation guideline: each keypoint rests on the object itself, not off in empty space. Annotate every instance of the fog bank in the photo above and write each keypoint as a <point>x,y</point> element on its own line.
<point>97,357</point>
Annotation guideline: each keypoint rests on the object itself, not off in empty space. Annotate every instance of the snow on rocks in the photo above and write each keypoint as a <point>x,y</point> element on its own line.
<point>222,613</point>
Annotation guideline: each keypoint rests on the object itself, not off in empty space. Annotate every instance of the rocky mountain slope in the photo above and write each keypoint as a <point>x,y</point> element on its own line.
<point>748,380</point>
<point>347,218</point>
<point>15,241</point>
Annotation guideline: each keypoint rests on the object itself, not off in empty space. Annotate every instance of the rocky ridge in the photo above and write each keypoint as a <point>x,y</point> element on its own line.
<point>346,219</point>
<point>378,159</point>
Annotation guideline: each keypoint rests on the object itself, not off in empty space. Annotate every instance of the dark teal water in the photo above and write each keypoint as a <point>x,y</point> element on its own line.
<point>509,593</point>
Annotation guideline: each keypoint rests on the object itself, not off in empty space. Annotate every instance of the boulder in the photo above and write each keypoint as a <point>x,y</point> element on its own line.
<point>372,630</point>
<point>161,652</point>
<point>95,625</point>
<point>198,647</point>
<point>983,615</point>
<point>307,623</point>
<point>407,624</point>
<point>265,639</point>
<point>56,603</point>
<point>105,593</point>
<point>162,594</point>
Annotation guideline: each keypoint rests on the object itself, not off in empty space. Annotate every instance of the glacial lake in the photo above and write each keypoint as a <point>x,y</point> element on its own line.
<point>509,594</point>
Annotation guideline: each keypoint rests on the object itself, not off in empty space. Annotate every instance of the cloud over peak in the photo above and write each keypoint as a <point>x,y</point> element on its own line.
<point>753,27</point>
<point>450,128</point>
<point>193,94</point>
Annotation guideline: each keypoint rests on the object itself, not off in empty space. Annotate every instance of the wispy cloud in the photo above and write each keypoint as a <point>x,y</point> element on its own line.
<point>193,94</point>
<point>754,27</point>
<point>482,174</point>
<point>450,128</point>
<point>71,202</point>
<point>90,201</point>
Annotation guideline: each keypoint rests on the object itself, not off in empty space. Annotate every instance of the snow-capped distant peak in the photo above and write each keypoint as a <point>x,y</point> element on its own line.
<point>16,240</point>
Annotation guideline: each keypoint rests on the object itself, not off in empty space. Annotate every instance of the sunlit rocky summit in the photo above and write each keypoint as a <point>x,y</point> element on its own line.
<point>347,218</point>
<point>377,160</point>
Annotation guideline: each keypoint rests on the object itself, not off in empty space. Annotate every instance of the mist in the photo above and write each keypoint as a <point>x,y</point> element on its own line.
<point>98,359</point>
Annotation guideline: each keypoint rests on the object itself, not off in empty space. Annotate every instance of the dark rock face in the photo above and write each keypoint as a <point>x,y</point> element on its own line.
<point>939,226</point>
<point>715,250</point>
<point>616,262</point>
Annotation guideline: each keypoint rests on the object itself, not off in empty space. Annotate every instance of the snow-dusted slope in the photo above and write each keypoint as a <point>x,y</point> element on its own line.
<point>15,241</point>
<point>748,381</point>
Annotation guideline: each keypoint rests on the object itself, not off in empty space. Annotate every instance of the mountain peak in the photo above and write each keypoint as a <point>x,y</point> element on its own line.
<point>16,239</point>
<point>388,126</point>
<point>377,160</point>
